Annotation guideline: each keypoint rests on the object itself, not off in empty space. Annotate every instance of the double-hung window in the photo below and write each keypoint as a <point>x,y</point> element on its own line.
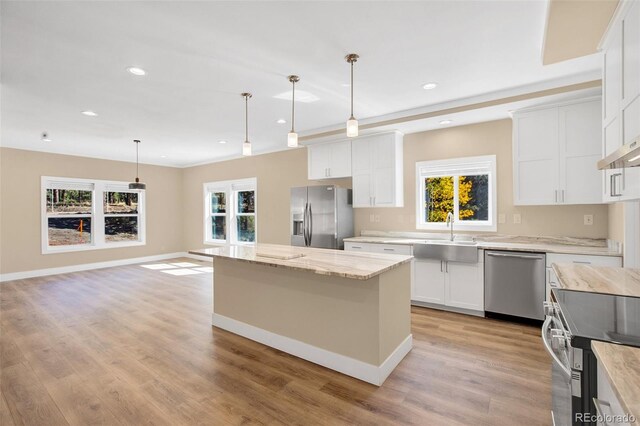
<point>464,187</point>
<point>85,214</point>
<point>230,212</point>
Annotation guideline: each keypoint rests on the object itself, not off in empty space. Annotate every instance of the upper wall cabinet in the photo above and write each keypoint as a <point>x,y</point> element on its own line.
<point>621,89</point>
<point>377,170</point>
<point>555,151</point>
<point>329,160</point>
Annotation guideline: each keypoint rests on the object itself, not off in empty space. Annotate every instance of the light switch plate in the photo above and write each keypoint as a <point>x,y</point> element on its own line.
<point>502,218</point>
<point>371,218</point>
<point>588,219</point>
<point>517,218</point>
<point>377,218</point>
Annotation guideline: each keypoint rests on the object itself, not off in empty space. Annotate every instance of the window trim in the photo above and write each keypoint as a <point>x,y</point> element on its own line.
<point>97,215</point>
<point>230,188</point>
<point>456,167</point>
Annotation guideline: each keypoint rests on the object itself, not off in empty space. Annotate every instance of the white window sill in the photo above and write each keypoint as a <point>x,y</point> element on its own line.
<point>69,249</point>
<point>458,227</point>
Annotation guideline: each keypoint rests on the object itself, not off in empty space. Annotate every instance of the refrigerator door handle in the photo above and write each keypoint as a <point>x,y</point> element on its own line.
<point>305,223</point>
<point>310,224</point>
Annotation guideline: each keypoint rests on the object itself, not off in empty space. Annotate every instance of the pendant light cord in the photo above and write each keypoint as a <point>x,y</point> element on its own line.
<point>246,118</point>
<point>293,105</point>
<point>352,90</point>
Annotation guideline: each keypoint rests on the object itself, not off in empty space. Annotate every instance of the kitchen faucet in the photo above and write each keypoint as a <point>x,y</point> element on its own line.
<point>450,223</point>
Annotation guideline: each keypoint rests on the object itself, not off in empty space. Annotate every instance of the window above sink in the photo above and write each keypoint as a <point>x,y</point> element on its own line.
<point>465,187</point>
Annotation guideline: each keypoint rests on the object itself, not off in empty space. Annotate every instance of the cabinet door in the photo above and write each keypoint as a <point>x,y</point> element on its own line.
<point>319,157</point>
<point>631,54</point>
<point>428,281</point>
<point>535,146</point>
<point>361,156</point>
<point>580,149</point>
<point>384,172</point>
<point>340,161</point>
<point>613,75</point>
<point>362,190</point>
<point>464,286</point>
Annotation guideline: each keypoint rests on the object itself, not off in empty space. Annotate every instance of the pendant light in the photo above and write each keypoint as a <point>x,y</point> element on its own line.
<point>352,123</point>
<point>292,137</point>
<point>246,145</point>
<point>137,184</point>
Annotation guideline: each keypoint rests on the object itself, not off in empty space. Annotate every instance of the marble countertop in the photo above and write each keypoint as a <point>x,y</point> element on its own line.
<point>622,368</point>
<point>598,279</point>
<point>561,245</point>
<point>359,266</point>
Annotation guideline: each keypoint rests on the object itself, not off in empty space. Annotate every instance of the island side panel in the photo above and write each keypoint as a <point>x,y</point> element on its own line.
<point>337,314</point>
<point>395,309</point>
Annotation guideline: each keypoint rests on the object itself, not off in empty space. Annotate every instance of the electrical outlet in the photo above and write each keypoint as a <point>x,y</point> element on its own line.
<point>517,218</point>
<point>371,218</point>
<point>588,219</point>
<point>502,218</point>
<point>377,218</point>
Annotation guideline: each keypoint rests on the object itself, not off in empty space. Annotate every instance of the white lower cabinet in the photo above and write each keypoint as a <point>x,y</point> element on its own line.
<point>449,284</point>
<point>580,259</point>
<point>607,403</point>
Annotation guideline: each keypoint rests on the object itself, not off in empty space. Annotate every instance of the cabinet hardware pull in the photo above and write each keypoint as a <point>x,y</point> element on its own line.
<point>389,249</point>
<point>556,195</point>
<point>441,269</point>
<point>446,267</point>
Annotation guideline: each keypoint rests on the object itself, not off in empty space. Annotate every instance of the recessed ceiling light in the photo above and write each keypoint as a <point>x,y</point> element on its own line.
<point>90,113</point>
<point>222,142</point>
<point>345,85</point>
<point>163,156</point>
<point>429,86</point>
<point>446,122</point>
<point>136,71</point>
<point>281,121</point>
<point>45,137</point>
<point>301,96</point>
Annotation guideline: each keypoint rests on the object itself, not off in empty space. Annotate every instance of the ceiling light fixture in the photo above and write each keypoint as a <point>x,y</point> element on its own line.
<point>429,86</point>
<point>45,137</point>
<point>281,121</point>
<point>222,141</point>
<point>89,113</point>
<point>136,71</point>
<point>137,184</point>
<point>246,145</point>
<point>292,137</point>
<point>446,122</point>
<point>352,123</point>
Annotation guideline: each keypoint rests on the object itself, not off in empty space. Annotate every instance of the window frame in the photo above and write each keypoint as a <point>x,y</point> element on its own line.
<point>456,167</point>
<point>231,189</point>
<point>99,187</point>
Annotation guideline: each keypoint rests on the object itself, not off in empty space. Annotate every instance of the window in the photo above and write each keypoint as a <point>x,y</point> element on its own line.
<point>82,214</point>
<point>230,212</point>
<point>464,187</point>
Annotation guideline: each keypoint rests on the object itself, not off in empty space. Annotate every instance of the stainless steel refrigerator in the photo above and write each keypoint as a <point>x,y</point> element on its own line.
<point>321,216</point>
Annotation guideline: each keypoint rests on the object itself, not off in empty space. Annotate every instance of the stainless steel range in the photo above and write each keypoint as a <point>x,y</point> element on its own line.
<point>573,320</point>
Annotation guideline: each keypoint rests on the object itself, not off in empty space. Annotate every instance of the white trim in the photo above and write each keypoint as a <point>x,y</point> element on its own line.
<point>230,188</point>
<point>346,365</point>
<point>87,266</point>
<point>456,166</point>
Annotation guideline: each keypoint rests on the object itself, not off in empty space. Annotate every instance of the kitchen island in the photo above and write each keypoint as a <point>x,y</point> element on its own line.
<point>349,312</point>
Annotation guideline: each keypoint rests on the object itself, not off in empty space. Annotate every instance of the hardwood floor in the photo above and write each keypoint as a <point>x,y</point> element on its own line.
<point>129,345</point>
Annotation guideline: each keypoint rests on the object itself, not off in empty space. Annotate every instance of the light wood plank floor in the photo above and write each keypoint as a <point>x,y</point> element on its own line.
<point>129,345</point>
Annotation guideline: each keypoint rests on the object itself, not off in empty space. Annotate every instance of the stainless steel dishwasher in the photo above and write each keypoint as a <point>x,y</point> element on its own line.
<point>514,283</point>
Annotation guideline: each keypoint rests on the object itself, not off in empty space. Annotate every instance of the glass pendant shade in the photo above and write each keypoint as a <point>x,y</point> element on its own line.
<point>246,148</point>
<point>292,140</point>
<point>352,127</point>
<point>137,184</point>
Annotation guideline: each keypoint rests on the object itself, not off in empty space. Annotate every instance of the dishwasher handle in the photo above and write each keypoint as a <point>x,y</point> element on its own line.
<point>517,256</point>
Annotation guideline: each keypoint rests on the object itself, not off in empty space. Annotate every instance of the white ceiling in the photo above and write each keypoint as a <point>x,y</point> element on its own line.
<point>60,58</point>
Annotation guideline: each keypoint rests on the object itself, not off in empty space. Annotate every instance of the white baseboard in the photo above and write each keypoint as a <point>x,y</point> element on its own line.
<point>87,266</point>
<point>198,257</point>
<point>346,365</point>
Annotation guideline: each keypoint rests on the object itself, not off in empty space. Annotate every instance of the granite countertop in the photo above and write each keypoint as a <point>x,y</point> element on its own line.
<point>561,245</point>
<point>359,266</point>
<point>599,279</point>
<point>622,368</point>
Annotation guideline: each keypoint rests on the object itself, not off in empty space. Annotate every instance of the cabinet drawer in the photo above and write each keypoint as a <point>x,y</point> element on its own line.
<point>584,259</point>
<point>393,249</point>
<point>352,246</point>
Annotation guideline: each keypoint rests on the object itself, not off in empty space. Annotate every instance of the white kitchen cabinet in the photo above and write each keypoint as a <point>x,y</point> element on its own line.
<point>607,402</point>
<point>449,284</point>
<point>429,281</point>
<point>621,104</point>
<point>383,248</point>
<point>329,160</point>
<point>376,166</point>
<point>555,151</point>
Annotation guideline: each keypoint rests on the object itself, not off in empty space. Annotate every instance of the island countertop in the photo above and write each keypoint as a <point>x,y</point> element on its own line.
<point>359,266</point>
<point>599,279</point>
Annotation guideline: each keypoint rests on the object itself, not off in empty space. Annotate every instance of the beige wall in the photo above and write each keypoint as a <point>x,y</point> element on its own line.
<point>276,174</point>
<point>482,139</point>
<point>616,222</point>
<point>20,172</point>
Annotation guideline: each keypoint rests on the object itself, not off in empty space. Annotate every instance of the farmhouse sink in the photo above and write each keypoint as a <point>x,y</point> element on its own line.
<point>448,251</point>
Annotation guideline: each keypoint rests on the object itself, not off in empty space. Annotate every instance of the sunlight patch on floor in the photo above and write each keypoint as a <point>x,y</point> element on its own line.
<point>158,266</point>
